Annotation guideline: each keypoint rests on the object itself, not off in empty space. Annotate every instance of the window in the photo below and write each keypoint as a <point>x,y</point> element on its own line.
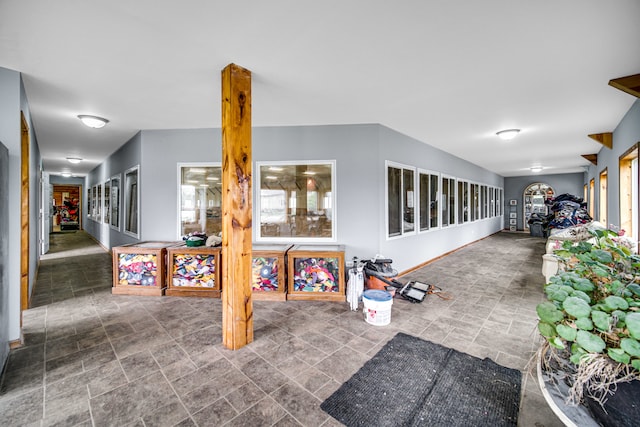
<point>107,200</point>
<point>131,202</point>
<point>400,200</point>
<point>592,197</point>
<point>492,202</point>
<point>200,198</point>
<point>484,203</point>
<point>115,202</point>
<point>448,201</point>
<point>89,202</point>
<point>499,203</point>
<point>629,177</point>
<point>94,202</point>
<point>296,200</point>
<point>99,204</point>
<point>428,193</point>
<point>603,198</point>
<point>475,202</point>
<point>463,202</point>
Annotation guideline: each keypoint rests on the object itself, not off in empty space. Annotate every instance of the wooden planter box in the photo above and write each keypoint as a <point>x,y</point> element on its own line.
<point>193,271</point>
<point>268,272</point>
<point>316,272</point>
<point>139,268</point>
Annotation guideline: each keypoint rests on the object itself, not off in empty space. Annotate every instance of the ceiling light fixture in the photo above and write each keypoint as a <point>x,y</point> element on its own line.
<point>93,121</point>
<point>66,174</point>
<point>508,134</point>
<point>74,160</point>
<point>536,169</point>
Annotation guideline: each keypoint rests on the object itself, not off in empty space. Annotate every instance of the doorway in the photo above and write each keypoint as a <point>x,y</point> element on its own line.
<point>535,196</point>
<point>65,202</point>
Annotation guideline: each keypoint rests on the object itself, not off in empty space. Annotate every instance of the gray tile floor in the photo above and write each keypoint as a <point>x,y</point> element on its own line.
<point>95,359</point>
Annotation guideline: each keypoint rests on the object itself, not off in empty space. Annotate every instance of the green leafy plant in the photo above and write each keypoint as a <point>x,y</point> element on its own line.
<point>593,310</point>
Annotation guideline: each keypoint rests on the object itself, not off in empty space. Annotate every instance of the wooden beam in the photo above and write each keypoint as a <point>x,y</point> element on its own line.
<point>605,138</point>
<point>24,215</point>
<point>237,307</point>
<point>628,84</point>
<point>593,158</point>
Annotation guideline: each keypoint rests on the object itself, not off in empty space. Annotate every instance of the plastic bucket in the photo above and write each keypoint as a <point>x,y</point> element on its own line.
<point>377,307</point>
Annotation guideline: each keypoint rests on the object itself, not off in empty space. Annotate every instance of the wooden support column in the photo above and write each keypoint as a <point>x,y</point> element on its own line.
<point>237,307</point>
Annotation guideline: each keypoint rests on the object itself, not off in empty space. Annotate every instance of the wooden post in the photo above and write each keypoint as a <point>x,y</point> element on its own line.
<point>237,307</point>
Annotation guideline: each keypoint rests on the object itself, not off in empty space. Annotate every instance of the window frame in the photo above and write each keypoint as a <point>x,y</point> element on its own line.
<point>180,165</point>
<point>131,210</point>
<point>305,239</point>
<point>408,199</point>
<point>115,193</point>
<point>429,199</point>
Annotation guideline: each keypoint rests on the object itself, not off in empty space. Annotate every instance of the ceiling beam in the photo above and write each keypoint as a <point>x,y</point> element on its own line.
<point>628,84</point>
<point>593,158</point>
<point>605,138</point>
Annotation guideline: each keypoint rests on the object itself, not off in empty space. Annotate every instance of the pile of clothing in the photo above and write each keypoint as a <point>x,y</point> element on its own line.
<point>567,210</point>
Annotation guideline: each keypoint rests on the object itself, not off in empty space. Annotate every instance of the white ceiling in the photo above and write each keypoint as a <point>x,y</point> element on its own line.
<point>449,73</point>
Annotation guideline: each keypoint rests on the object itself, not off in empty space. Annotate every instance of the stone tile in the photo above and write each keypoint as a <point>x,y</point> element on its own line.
<point>264,375</point>
<point>134,400</point>
<point>139,341</point>
<point>312,379</point>
<point>217,413</point>
<point>169,415</point>
<point>17,381</point>
<point>265,413</point>
<point>244,397</point>
<point>301,404</point>
<point>139,365</point>
<point>23,409</point>
<point>342,364</point>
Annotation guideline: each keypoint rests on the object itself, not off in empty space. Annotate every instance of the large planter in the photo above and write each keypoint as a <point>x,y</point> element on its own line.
<point>622,408</point>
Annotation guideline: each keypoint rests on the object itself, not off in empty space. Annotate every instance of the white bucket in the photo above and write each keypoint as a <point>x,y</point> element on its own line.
<point>377,307</point>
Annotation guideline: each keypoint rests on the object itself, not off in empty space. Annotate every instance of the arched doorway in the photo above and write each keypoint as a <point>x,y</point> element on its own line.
<point>534,198</point>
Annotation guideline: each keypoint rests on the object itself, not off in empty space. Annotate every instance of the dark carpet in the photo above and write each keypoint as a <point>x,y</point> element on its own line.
<point>413,382</point>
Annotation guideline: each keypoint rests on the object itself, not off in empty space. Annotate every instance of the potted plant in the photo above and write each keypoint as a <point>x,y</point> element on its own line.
<point>591,319</point>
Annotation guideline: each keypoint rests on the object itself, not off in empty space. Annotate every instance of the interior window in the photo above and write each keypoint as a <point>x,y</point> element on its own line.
<point>463,202</point>
<point>400,200</point>
<point>131,202</point>
<point>200,199</point>
<point>603,198</point>
<point>296,200</point>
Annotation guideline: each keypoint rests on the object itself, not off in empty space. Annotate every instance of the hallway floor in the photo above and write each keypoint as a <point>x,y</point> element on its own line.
<point>95,359</point>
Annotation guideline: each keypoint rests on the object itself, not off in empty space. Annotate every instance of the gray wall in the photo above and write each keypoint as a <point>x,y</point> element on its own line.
<point>10,137</point>
<point>360,152</point>
<point>626,134</point>
<point>125,157</point>
<point>4,253</point>
<point>568,183</point>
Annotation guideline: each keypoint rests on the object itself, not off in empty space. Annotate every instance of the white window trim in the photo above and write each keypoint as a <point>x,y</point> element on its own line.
<point>334,202</point>
<point>126,207</point>
<point>416,207</point>
<point>181,165</point>
<point>119,195</point>
<point>438,194</point>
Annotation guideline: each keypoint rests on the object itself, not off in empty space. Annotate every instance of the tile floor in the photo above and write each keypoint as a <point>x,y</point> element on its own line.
<point>95,359</point>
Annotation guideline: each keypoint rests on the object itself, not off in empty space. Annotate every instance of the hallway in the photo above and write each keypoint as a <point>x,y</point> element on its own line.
<point>95,359</point>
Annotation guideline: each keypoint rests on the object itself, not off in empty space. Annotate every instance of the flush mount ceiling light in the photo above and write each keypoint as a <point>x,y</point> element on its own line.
<point>508,134</point>
<point>74,159</point>
<point>66,174</point>
<point>93,121</point>
<point>536,169</point>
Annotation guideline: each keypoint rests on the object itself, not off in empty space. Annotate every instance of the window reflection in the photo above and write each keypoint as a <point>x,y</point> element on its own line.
<point>296,200</point>
<point>201,199</point>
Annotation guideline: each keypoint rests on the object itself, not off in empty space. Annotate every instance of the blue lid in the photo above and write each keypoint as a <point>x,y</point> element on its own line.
<point>377,295</point>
